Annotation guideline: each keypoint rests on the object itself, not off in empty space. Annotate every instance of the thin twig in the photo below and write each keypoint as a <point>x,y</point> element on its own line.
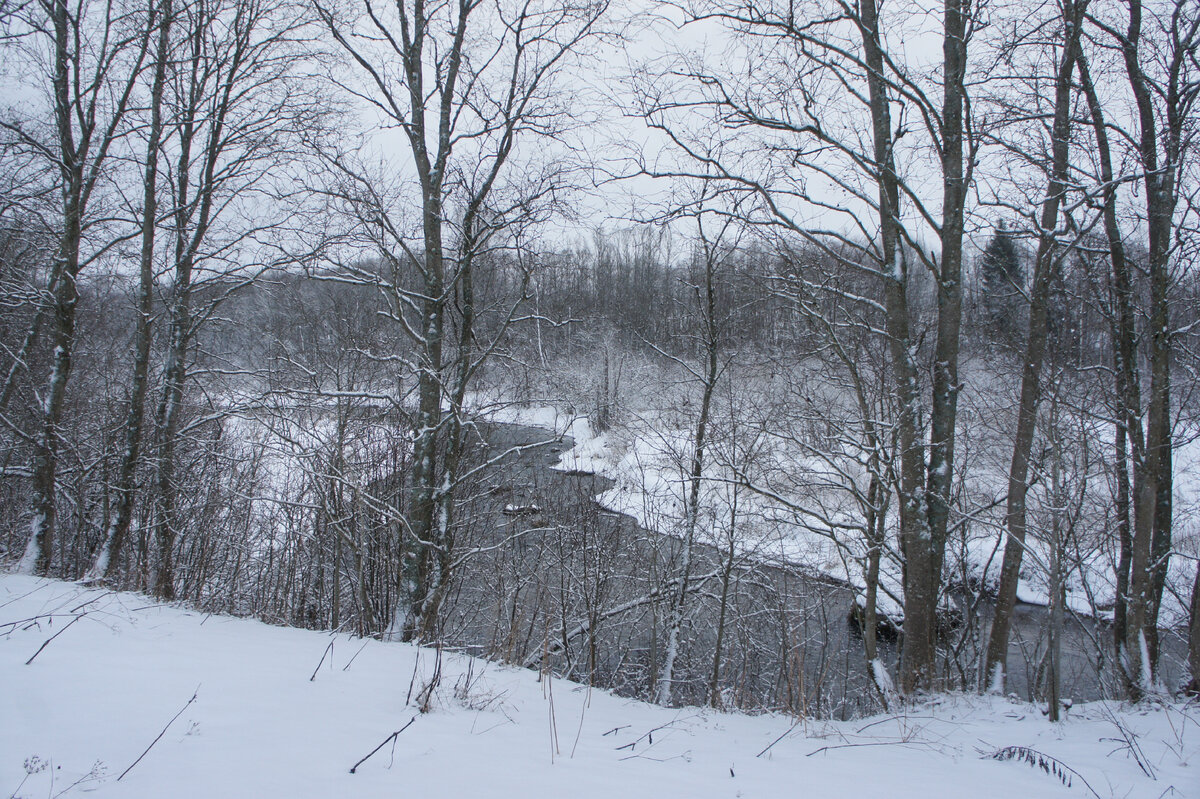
<point>383,743</point>
<point>31,621</point>
<point>22,596</point>
<point>785,734</point>
<point>46,643</point>
<point>356,654</point>
<point>649,734</point>
<point>93,600</point>
<point>328,649</point>
<point>582,711</point>
<point>161,734</point>
<point>413,680</point>
<point>867,743</point>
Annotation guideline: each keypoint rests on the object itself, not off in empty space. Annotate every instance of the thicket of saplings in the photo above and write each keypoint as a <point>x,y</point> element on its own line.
<point>291,489</point>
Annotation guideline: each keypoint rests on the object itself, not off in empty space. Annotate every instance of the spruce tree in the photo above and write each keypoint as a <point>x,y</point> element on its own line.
<point>1000,275</point>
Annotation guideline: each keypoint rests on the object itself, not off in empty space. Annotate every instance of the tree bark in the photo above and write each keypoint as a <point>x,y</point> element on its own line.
<point>711,351</point>
<point>1152,522</point>
<point>917,656</point>
<point>80,148</point>
<point>1035,350</point>
<point>107,562</point>
<point>1128,383</point>
<point>1193,687</point>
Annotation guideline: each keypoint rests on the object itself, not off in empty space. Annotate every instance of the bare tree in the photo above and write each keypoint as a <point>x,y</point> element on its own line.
<point>93,60</point>
<point>1165,86</point>
<point>1035,347</point>
<point>713,247</point>
<point>468,83</point>
<point>108,558</point>
<point>240,109</point>
<point>844,53</point>
<point>1193,687</point>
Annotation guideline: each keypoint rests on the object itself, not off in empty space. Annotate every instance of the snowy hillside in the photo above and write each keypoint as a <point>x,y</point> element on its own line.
<point>91,679</point>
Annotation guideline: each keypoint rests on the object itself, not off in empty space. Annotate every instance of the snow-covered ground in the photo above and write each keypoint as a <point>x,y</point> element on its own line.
<point>264,720</point>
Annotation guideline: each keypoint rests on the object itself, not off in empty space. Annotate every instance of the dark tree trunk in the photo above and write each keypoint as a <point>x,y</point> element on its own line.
<point>1193,687</point>
<point>995,664</point>
<point>108,559</point>
<point>1152,519</point>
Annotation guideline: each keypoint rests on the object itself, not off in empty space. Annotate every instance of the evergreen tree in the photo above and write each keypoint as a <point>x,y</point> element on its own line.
<point>1000,275</point>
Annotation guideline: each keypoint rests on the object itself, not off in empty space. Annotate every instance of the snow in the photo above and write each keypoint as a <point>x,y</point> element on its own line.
<point>518,510</point>
<point>648,460</point>
<point>882,679</point>
<point>33,547</point>
<point>997,681</point>
<point>97,696</point>
<point>591,452</point>
<point>1032,594</point>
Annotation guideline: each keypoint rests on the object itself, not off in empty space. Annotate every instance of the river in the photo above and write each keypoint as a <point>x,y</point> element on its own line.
<point>553,565</point>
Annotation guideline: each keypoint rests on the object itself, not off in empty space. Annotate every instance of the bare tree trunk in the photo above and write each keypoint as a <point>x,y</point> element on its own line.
<point>914,526</point>
<point>187,240</point>
<point>1124,537</point>
<point>107,560</point>
<point>1035,350</point>
<point>1160,545</point>
<point>876,524</point>
<point>714,684</point>
<point>1057,551</point>
<point>418,565</point>
<point>929,553</point>
<point>80,150</point>
<point>1152,520</point>
<point>40,550</point>
<point>168,417</point>
<point>1128,391</point>
<point>711,351</point>
<point>1193,687</point>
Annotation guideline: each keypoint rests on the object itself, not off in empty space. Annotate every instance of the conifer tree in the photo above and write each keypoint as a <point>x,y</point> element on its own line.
<point>1000,276</point>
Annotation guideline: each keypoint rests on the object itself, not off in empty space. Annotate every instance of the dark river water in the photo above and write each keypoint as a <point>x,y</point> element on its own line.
<point>559,562</point>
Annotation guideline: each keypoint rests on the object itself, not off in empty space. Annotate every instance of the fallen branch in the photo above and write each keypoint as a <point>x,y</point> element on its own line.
<point>1129,742</point>
<point>382,744</point>
<point>92,601</point>
<point>356,654</point>
<point>161,734</point>
<point>649,734</point>
<point>46,643</point>
<point>22,596</point>
<point>30,621</point>
<point>831,747</point>
<point>328,649</point>
<point>785,734</point>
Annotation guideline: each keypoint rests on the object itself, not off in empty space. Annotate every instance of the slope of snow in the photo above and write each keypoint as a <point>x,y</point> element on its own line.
<point>95,697</point>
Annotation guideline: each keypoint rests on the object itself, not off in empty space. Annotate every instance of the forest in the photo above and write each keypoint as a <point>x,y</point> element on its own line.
<point>802,356</point>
